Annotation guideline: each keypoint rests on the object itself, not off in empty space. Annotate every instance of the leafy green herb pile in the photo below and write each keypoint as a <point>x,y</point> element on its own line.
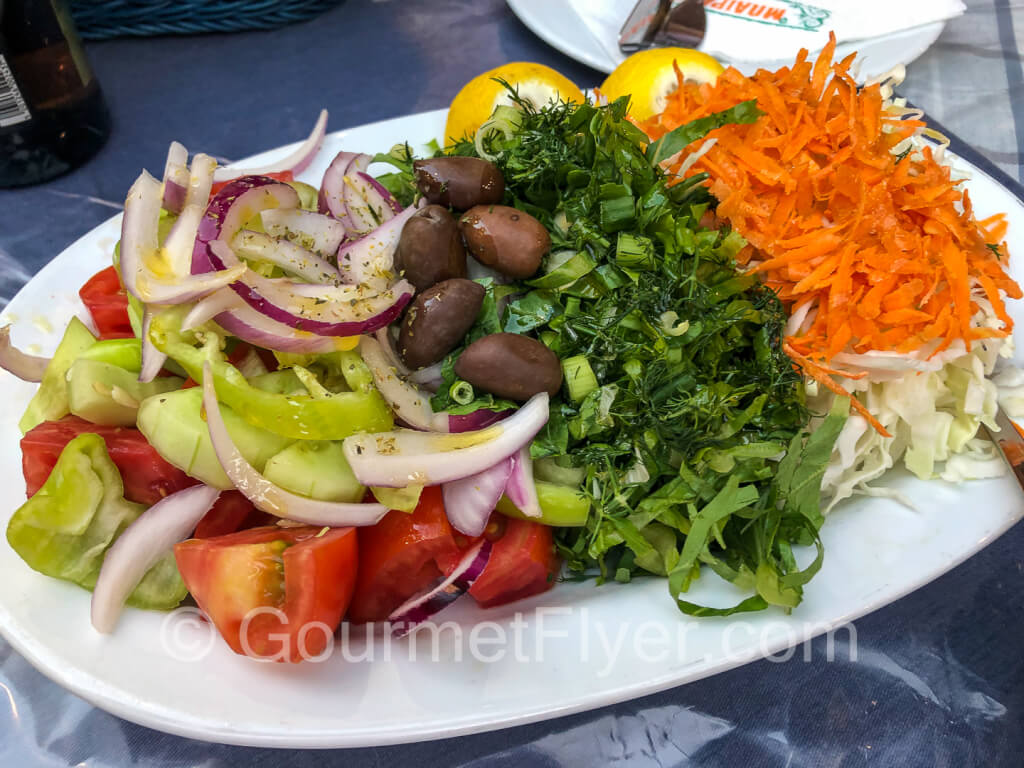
<point>682,419</point>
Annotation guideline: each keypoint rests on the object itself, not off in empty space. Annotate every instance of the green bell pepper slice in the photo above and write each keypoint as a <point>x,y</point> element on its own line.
<point>66,528</point>
<point>300,417</point>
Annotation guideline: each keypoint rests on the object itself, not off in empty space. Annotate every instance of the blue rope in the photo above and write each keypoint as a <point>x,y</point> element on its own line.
<point>101,19</point>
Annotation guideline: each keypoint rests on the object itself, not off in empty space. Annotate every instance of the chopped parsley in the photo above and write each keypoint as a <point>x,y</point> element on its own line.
<point>692,437</point>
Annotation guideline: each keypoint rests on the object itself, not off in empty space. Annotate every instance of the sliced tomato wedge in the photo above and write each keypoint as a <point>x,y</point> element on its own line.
<point>523,563</point>
<point>107,302</point>
<point>397,557</point>
<point>273,593</point>
<point>278,175</point>
<point>232,512</point>
<point>147,476</point>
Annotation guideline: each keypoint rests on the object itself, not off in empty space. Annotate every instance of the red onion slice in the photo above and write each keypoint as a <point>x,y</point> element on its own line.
<point>296,161</point>
<point>290,257</point>
<point>249,325</point>
<point>520,488</point>
<point>410,404</point>
<point>267,496</point>
<point>13,360</point>
<point>371,259</point>
<point>383,337</point>
<point>208,308</point>
<point>152,358</point>
<point>403,457</point>
<point>181,240</point>
<point>420,608</point>
<point>469,502</point>
<point>430,379</point>
<point>368,203</point>
<point>141,545</point>
<point>332,189</point>
<point>345,310</point>
<point>479,419</point>
<point>381,192</point>
<point>200,180</point>
<point>229,210</point>
<point>175,178</point>
<point>363,309</point>
<point>313,231</point>
<point>351,194</point>
<point>146,270</point>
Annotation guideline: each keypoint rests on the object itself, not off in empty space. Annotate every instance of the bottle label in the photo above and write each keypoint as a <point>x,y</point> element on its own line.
<point>13,109</point>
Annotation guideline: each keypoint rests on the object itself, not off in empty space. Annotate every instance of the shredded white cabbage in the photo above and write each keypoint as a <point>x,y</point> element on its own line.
<point>979,460</point>
<point>932,409</point>
<point>1010,381</point>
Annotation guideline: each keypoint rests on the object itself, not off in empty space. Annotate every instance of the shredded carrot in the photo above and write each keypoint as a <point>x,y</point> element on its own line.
<point>824,375</point>
<point>884,247</point>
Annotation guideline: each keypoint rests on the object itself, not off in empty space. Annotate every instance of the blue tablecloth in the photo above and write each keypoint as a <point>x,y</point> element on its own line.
<point>939,678</point>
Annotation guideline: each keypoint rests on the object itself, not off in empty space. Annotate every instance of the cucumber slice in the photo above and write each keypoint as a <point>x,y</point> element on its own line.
<point>104,393</point>
<point>560,506</point>
<point>174,425</point>
<point>317,469</point>
<point>50,401</point>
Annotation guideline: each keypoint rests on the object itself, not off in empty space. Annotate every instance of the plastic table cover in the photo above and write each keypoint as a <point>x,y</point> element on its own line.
<point>938,678</point>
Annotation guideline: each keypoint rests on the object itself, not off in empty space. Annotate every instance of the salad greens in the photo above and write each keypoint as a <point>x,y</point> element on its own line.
<point>66,528</point>
<point>681,411</point>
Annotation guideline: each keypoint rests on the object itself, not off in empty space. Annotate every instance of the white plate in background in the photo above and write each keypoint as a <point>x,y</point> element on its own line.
<point>558,24</point>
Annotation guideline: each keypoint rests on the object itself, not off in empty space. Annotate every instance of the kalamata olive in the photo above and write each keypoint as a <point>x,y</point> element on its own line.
<point>459,182</point>
<point>437,320</point>
<point>430,248</point>
<point>511,366</point>
<point>507,239</point>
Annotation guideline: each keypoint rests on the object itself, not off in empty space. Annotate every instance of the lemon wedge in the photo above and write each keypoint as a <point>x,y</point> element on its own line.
<point>477,100</point>
<point>648,76</point>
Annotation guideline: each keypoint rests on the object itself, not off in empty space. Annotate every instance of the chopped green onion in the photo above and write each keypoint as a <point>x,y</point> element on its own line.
<point>671,326</point>
<point>579,377</point>
<point>633,368</point>
<point>560,224</point>
<point>508,116</point>
<point>462,392</point>
<point>505,120</point>
<point>617,213</point>
<point>634,252</point>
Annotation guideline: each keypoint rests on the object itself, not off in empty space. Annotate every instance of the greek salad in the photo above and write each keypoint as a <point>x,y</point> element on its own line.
<point>571,345</point>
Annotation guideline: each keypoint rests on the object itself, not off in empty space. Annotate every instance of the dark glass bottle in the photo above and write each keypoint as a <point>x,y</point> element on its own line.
<point>52,114</point>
